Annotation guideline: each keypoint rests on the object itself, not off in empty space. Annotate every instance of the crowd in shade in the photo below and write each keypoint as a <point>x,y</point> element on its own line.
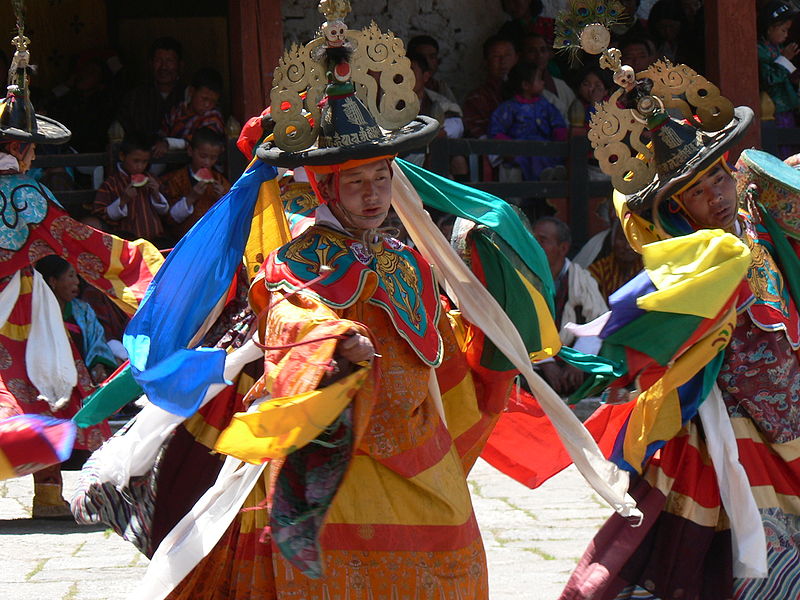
<point>531,92</point>
<point>169,110</point>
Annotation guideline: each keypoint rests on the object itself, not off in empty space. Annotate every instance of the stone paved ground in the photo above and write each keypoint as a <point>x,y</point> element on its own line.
<point>532,538</point>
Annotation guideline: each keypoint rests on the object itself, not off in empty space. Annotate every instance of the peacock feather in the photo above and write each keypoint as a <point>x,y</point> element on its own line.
<point>580,13</point>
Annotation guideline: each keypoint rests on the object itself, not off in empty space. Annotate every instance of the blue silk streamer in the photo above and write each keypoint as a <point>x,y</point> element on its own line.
<point>195,276</point>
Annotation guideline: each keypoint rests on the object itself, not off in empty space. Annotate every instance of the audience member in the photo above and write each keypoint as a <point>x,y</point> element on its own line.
<point>130,199</point>
<point>631,26</point>
<point>638,52</point>
<point>666,24</point>
<point>85,332</point>
<point>193,190</point>
<point>434,104</point>
<point>527,115</point>
<point>593,86</point>
<point>142,110</point>
<point>500,55</point>
<point>577,300</point>
<point>87,105</point>
<point>427,47</point>
<point>775,65</point>
<point>447,112</point>
<point>620,264</point>
<point>693,35</point>
<point>198,111</point>
<point>537,51</point>
<point>525,18</point>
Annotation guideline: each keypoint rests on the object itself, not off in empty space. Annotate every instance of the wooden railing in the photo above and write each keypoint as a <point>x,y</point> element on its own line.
<point>577,188</point>
<point>75,200</point>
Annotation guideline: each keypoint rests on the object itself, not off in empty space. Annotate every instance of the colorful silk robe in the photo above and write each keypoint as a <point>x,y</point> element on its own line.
<point>377,505</point>
<point>757,371</point>
<point>34,226</point>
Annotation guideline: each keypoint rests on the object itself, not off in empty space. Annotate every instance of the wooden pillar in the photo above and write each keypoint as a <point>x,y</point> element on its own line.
<point>256,35</point>
<point>732,59</point>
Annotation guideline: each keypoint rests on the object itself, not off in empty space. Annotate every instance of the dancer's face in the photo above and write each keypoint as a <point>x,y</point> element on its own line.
<point>365,195</point>
<point>711,202</point>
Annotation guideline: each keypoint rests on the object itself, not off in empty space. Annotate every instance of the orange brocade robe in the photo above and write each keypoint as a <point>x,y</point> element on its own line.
<point>401,523</point>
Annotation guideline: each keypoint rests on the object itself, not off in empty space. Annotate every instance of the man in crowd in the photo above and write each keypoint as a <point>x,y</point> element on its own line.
<point>577,300</point>
<point>143,109</point>
<point>500,55</point>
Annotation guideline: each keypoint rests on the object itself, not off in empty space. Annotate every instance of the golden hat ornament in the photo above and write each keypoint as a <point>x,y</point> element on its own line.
<point>346,95</point>
<point>648,154</point>
<point>18,120</point>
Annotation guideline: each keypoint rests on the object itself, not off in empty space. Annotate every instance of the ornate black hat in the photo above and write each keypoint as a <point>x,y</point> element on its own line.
<point>18,121</point>
<point>648,154</point>
<point>347,95</point>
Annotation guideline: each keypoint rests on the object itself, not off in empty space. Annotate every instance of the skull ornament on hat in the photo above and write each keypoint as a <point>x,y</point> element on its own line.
<point>648,154</point>
<point>345,96</point>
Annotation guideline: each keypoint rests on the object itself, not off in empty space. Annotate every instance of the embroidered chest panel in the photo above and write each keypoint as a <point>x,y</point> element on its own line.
<point>387,273</point>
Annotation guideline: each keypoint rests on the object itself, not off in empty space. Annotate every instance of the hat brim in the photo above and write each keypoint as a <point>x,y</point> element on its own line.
<point>715,144</point>
<point>417,134</point>
<point>48,131</point>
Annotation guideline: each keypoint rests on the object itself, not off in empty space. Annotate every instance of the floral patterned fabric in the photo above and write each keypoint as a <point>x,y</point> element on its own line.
<point>760,379</point>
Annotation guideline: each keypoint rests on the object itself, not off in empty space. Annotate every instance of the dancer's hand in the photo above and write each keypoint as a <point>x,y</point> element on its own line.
<point>356,348</point>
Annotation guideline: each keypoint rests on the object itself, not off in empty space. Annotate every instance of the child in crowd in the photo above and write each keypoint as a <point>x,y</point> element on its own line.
<point>593,87</point>
<point>199,111</point>
<point>192,191</point>
<point>775,60</point>
<point>129,200</point>
<point>528,116</point>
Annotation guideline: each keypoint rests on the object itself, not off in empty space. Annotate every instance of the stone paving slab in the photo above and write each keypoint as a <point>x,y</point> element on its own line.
<point>533,539</point>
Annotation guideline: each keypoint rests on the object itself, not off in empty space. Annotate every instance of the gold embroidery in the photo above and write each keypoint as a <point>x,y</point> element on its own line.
<point>389,265</point>
<point>763,277</point>
<point>328,248</point>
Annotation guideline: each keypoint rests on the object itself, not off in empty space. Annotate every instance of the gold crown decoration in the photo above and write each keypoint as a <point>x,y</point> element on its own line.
<point>623,128</point>
<point>373,61</point>
<point>21,57</point>
<point>335,10</point>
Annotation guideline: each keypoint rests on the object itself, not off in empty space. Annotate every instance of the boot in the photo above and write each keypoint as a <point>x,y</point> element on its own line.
<point>49,504</point>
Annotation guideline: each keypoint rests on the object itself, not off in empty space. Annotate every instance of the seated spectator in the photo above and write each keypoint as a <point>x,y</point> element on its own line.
<point>85,333</point>
<point>776,70</point>
<point>447,112</point>
<point>427,47</point>
<point>619,265</point>
<point>130,199</point>
<point>111,317</point>
<point>666,23</point>
<point>87,105</point>
<point>528,116</point>
<point>433,104</point>
<point>525,19</point>
<point>639,53</point>
<point>536,51</point>
<point>631,26</point>
<point>593,86</point>
<point>693,35</point>
<point>577,300</point>
<point>500,55</point>
<point>142,110</point>
<point>193,190</point>
<point>198,111</point>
